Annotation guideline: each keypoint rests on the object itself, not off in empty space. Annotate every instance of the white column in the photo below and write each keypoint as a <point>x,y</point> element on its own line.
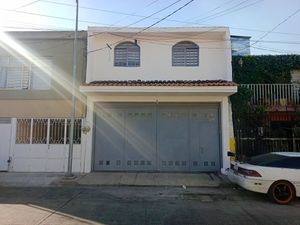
<point>225,124</point>
<point>87,145</point>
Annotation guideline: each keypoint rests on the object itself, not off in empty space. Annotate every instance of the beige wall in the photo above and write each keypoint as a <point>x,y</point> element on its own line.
<point>156,56</point>
<point>39,108</point>
<point>58,46</point>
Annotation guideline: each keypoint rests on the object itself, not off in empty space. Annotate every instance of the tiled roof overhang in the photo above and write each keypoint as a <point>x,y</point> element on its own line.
<point>161,87</point>
<point>185,83</point>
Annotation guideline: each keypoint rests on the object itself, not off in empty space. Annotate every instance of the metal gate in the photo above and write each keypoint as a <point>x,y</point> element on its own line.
<point>151,137</point>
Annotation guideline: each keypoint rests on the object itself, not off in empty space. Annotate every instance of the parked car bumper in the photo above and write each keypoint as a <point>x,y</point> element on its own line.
<point>247,183</point>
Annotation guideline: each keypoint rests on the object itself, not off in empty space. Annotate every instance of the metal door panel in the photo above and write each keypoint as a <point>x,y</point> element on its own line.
<point>204,139</point>
<point>173,133</point>
<point>5,134</point>
<point>148,137</point>
<point>140,136</point>
<point>109,138</point>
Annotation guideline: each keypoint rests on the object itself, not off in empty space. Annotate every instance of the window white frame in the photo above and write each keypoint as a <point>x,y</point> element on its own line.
<point>46,131</point>
<point>127,54</point>
<point>185,53</point>
<point>19,73</point>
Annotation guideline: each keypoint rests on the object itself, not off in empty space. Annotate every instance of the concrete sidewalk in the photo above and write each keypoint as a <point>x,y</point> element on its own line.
<point>149,179</point>
<point>113,179</point>
<point>13,179</point>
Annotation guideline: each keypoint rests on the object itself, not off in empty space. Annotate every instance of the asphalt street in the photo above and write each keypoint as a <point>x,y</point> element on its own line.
<point>142,206</point>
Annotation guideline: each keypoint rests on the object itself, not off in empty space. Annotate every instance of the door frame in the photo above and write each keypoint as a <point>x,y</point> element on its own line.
<point>8,122</point>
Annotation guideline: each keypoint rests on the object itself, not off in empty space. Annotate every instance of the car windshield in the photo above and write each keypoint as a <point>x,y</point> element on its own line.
<point>265,159</point>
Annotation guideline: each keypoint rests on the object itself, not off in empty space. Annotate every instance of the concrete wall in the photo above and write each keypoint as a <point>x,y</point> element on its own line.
<point>156,55</point>
<point>57,46</point>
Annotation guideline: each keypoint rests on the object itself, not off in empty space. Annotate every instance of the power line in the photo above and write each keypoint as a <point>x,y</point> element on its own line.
<point>35,25</point>
<point>138,21</point>
<point>214,9</point>
<point>27,4</point>
<point>286,19</point>
<point>146,28</point>
<point>276,50</point>
<point>228,11</point>
<point>268,32</point>
<point>134,13</point>
<point>171,20</point>
<point>54,17</point>
<point>225,10</point>
<point>159,11</point>
<point>284,51</point>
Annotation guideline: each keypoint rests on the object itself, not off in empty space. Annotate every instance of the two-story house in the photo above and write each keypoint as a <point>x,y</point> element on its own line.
<point>35,100</point>
<point>157,99</point>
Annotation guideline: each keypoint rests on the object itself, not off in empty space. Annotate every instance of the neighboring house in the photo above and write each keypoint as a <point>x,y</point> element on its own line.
<point>240,45</point>
<point>35,100</point>
<point>270,89</point>
<point>157,99</point>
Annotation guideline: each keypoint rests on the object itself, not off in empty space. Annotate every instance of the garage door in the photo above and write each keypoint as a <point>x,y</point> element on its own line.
<point>151,137</point>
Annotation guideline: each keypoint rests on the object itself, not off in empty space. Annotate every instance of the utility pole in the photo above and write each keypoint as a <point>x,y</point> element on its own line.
<point>73,110</point>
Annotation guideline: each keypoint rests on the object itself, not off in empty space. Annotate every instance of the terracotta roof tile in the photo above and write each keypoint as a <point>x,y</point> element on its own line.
<point>187,83</point>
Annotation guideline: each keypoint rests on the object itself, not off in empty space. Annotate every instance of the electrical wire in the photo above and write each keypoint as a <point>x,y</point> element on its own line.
<point>54,17</point>
<point>141,16</point>
<point>286,19</point>
<point>140,20</point>
<point>165,18</point>
<point>146,28</point>
<point>228,11</point>
<point>27,4</point>
<point>212,10</point>
<point>276,26</point>
<point>159,11</point>
<point>134,13</point>
<point>284,51</point>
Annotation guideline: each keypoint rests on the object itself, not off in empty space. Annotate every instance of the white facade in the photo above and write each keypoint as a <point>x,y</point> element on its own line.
<point>37,155</point>
<point>156,64</point>
<point>156,54</point>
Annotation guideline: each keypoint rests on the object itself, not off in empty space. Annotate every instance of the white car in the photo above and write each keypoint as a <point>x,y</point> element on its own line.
<point>276,174</point>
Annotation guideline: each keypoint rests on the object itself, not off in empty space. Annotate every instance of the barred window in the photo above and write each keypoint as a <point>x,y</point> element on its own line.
<point>127,54</point>
<point>23,131</point>
<point>39,131</point>
<point>185,53</point>
<point>57,131</point>
<point>35,131</point>
<point>76,132</point>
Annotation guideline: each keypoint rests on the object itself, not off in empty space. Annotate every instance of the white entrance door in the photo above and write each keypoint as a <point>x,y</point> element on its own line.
<point>5,134</point>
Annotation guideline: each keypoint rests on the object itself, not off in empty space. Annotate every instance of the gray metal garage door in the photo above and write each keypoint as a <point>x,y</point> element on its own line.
<point>149,137</point>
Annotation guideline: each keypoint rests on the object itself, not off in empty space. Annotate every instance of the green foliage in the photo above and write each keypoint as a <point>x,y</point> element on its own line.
<point>257,115</point>
<point>243,110</point>
<point>240,101</point>
<point>264,69</point>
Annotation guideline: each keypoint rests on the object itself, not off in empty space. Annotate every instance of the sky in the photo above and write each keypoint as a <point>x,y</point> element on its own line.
<point>274,25</point>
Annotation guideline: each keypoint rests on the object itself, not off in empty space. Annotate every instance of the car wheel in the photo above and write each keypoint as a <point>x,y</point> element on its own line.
<point>282,192</point>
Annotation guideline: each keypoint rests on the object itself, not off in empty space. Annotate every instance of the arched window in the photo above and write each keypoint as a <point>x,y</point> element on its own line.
<point>185,53</point>
<point>127,54</point>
